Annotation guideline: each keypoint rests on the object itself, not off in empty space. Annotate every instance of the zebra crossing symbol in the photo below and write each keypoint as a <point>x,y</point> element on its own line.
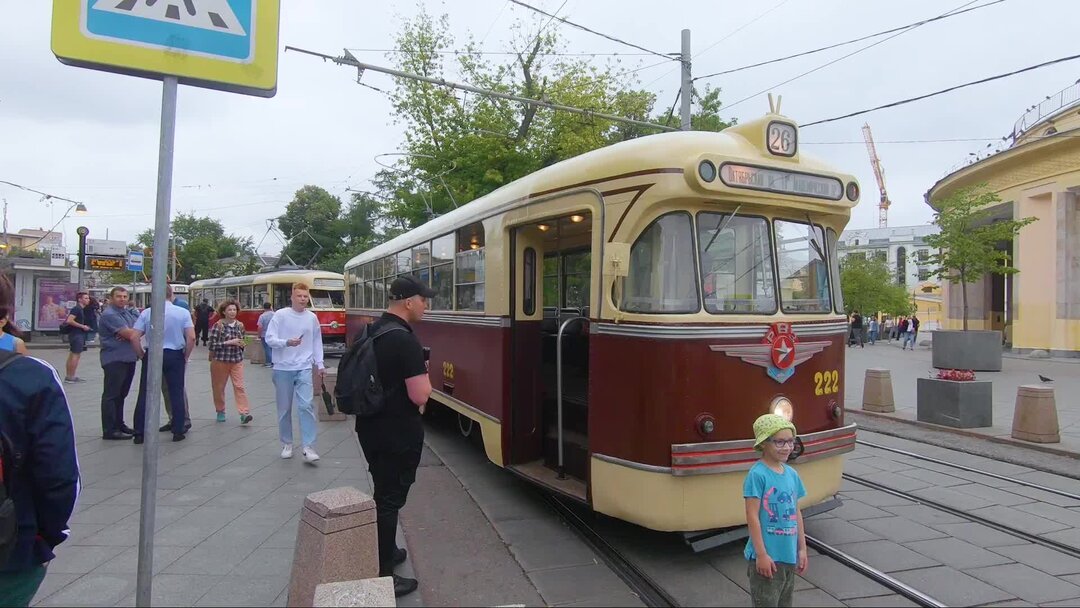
<point>215,28</point>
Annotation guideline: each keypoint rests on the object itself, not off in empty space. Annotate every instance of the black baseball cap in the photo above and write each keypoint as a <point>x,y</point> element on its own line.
<point>409,286</point>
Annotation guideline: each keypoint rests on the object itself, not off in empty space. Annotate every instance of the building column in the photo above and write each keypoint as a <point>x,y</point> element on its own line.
<point>1035,256</point>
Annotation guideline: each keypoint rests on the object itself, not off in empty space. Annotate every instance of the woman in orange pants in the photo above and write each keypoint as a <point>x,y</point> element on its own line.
<point>227,341</point>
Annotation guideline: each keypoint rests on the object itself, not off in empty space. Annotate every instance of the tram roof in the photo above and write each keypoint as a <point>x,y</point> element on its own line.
<point>673,150</point>
<point>279,276</point>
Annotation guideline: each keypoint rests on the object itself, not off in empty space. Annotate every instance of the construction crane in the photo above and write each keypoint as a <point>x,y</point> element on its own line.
<point>879,173</point>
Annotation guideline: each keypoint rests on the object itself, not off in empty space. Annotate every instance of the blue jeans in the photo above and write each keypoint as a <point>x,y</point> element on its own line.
<point>290,385</point>
<point>909,337</point>
<point>269,352</point>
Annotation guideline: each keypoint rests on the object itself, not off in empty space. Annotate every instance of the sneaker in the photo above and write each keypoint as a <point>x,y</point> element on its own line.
<point>221,416</point>
<point>246,418</point>
<point>310,455</point>
<point>70,380</point>
<point>403,585</point>
<point>399,556</point>
<point>286,451</point>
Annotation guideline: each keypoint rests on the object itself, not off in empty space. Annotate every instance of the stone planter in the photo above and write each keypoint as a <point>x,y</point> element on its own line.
<point>962,405</point>
<point>977,350</point>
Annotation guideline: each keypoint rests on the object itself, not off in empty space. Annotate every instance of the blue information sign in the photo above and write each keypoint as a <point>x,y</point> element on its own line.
<point>135,261</point>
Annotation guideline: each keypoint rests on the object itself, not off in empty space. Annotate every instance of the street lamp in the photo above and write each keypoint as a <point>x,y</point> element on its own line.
<point>80,209</point>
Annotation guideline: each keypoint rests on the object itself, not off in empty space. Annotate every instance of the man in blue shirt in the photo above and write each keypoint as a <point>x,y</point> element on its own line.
<point>118,344</point>
<point>176,349</point>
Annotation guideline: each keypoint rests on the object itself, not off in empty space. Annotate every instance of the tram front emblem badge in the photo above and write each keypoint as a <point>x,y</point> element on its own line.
<point>779,351</point>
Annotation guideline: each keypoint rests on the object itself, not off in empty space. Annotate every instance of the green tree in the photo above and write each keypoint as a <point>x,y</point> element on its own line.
<point>869,288</point>
<point>312,224</point>
<point>461,146</point>
<point>969,238</point>
<point>200,243</point>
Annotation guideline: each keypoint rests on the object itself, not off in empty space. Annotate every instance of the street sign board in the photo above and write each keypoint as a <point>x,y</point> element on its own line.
<point>135,261</point>
<point>229,45</point>
<point>105,247</point>
<point>57,256</point>
<point>98,262</point>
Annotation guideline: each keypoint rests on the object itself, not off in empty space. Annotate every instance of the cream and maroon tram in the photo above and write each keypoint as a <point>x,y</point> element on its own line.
<point>694,281</point>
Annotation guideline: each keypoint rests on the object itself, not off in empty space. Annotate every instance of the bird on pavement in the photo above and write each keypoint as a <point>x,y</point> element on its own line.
<point>1045,379</point>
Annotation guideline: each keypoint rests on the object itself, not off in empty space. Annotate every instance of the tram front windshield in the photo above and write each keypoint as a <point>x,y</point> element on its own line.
<point>327,298</point>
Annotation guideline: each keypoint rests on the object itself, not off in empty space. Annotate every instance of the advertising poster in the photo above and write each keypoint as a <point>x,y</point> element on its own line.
<point>54,300</point>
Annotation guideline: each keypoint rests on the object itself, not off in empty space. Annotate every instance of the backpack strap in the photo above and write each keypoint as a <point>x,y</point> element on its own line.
<point>6,357</point>
<point>389,328</point>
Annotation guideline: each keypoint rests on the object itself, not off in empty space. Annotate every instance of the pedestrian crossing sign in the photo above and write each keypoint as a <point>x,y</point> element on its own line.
<point>221,44</point>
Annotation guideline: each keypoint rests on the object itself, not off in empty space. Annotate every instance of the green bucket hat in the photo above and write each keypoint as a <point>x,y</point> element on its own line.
<point>768,425</point>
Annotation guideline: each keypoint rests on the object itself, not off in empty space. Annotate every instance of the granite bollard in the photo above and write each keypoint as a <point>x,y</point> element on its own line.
<point>1035,418</point>
<point>336,540</point>
<point>329,382</point>
<point>367,592</point>
<point>877,391</point>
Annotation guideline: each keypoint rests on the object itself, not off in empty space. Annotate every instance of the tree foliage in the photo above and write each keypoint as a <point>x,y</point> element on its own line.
<point>969,239</point>
<point>201,242</point>
<point>869,287</point>
<point>460,146</point>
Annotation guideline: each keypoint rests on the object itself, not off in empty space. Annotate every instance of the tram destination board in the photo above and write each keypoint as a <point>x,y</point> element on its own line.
<point>778,180</point>
<point>96,262</point>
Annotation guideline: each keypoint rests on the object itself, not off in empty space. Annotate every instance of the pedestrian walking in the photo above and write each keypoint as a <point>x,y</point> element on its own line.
<point>227,341</point>
<point>909,335</point>
<point>776,549</point>
<point>263,323</point>
<point>856,330</point>
<point>178,342</point>
<point>202,314</point>
<point>119,348</point>
<point>77,331</point>
<point>91,312</point>
<point>40,468</point>
<point>296,340</point>
<point>901,331</point>
<point>392,439</point>
<point>873,330</point>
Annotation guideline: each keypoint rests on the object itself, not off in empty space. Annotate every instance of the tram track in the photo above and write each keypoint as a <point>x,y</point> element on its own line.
<point>872,573</point>
<point>989,523</point>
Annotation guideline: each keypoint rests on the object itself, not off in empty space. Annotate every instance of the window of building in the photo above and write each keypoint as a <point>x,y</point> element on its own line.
<point>736,263</point>
<point>469,268</point>
<point>901,265</point>
<point>924,274</point>
<point>924,256</point>
<point>662,276</point>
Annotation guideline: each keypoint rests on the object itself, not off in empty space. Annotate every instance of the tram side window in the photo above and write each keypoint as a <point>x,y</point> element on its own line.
<point>261,295</point>
<point>245,297</point>
<point>469,262</point>
<point>282,293</point>
<point>442,272</point>
<point>576,272</point>
<point>736,263</point>
<point>804,273</point>
<point>220,294</point>
<point>663,276</point>
<point>834,271</point>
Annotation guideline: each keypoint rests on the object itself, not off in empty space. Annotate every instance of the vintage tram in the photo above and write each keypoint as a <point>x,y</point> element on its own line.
<point>141,293</point>
<point>251,291</point>
<point>614,323</point>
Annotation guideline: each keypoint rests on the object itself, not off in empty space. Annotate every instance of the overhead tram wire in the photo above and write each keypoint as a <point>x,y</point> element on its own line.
<point>839,59</point>
<point>594,32</point>
<point>943,91</point>
<point>350,60</point>
<point>847,42</point>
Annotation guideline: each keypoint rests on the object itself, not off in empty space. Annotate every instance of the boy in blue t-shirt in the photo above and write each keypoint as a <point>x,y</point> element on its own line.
<point>776,549</point>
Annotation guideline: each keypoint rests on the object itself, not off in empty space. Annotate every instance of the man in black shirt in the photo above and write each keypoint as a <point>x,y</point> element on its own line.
<point>393,439</point>
<point>202,314</point>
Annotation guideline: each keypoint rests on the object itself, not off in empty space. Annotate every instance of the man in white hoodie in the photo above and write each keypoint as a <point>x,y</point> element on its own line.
<point>296,340</point>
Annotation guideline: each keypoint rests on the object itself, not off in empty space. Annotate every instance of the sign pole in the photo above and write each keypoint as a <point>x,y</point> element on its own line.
<point>155,352</point>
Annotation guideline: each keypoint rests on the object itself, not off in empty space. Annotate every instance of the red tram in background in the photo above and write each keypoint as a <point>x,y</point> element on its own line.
<point>251,291</point>
<point>613,324</point>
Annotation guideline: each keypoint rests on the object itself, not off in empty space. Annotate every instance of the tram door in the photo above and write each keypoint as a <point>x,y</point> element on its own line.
<point>552,279</point>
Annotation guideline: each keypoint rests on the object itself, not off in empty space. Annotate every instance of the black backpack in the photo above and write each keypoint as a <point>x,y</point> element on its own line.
<point>9,521</point>
<point>358,391</point>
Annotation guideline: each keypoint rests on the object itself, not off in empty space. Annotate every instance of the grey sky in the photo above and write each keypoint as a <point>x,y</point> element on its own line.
<point>93,136</point>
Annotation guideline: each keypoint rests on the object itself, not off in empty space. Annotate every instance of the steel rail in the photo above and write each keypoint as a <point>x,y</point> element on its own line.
<point>874,574</point>
<point>651,594</point>
<point>1028,536</point>
<point>962,467</point>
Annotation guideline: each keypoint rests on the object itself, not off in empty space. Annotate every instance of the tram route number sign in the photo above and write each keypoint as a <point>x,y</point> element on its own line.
<point>229,45</point>
<point>99,262</point>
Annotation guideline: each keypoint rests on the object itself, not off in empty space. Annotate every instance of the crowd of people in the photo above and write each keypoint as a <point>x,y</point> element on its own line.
<point>870,329</point>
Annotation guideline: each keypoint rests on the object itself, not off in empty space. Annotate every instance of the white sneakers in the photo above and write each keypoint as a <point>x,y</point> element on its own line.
<point>310,455</point>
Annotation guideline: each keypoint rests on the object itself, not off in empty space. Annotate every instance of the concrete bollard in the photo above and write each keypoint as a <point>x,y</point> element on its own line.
<point>877,391</point>
<point>336,540</point>
<point>330,382</point>
<point>1035,418</point>
<point>367,592</point>
<point>255,351</point>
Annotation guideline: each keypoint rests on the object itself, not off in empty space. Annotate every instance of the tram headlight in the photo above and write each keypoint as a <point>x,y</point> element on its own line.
<point>782,406</point>
<point>706,170</point>
<point>706,424</point>
<point>334,325</point>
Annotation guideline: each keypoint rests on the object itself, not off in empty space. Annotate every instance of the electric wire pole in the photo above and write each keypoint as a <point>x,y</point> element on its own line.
<point>687,82</point>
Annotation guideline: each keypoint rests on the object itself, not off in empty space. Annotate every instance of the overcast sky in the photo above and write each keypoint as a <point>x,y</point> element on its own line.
<point>93,136</point>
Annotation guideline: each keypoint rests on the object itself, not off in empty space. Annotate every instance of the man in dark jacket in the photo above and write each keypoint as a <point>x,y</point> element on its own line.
<point>201,316</point>
<point>40,468</point>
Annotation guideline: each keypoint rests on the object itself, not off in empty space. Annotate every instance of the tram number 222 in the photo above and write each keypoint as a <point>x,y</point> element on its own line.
<point>827,382</point>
